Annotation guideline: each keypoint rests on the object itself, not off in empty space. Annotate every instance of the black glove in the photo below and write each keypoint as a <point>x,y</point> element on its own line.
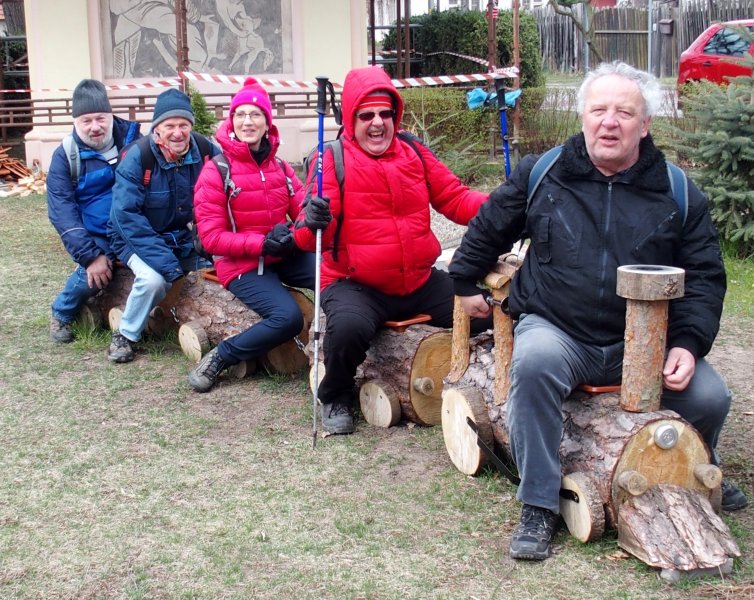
<point>317,213</point>
<point>279,241</point>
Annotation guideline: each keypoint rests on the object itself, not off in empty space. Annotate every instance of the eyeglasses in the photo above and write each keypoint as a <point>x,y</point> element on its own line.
<point>365,117</point>
<point>242,116</point>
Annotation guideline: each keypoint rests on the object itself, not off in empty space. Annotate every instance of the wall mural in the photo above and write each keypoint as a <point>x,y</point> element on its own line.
<point>231,37</point>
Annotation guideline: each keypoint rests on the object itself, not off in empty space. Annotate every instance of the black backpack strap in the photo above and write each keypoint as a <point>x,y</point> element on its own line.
<point>147,158</point>
<point>204,145</point>
<point>415,141</point>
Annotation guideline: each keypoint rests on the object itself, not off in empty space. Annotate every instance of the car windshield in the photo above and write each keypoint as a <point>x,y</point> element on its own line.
<point>728,42</point>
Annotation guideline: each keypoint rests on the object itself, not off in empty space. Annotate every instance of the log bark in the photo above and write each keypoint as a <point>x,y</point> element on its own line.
<point>671,527</point>
<point>414,362</point>
<point>207,313</point>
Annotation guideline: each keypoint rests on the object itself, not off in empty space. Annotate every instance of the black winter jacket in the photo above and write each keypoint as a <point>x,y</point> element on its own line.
<point>582,226</point>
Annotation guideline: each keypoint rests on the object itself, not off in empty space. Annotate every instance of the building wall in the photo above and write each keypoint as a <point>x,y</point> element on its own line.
<point>66,40</point>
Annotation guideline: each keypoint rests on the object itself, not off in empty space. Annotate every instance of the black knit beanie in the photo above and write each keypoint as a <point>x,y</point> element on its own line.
<point>172,103</point>
<point>90,96</point>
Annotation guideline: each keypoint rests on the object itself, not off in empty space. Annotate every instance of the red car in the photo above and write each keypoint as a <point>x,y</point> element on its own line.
<point>715,55</point>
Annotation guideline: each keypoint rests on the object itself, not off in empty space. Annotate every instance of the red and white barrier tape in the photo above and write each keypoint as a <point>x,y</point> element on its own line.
<point>480,61</point>
<point>123,86</point>
<point>281,83</point>
<point>509,72</point>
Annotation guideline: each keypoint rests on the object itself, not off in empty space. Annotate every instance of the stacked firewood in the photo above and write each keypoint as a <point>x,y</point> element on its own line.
<point>19,179</point>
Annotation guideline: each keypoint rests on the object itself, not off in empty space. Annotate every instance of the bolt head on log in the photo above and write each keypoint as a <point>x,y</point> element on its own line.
<point>650,282</point>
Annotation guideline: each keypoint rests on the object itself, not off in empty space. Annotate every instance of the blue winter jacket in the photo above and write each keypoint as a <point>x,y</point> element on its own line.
<point>150,221</point>
<point>80,212</point>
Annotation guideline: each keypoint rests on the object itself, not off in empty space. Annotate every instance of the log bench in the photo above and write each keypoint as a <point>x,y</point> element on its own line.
<point>626,464</point>
<point>204,313</point>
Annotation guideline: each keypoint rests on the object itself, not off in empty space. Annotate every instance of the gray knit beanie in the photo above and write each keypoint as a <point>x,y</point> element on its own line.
<point>90,96</point>
<point>172,103</point>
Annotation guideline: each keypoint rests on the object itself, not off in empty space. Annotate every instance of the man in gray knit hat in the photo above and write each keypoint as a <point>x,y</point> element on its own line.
<point>79,194</point>
<point>152,209</point>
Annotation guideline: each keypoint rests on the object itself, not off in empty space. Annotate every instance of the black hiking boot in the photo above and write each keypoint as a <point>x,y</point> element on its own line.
<point>60,332</point>
<point>337,418</point>
<point>733,498</point>
<point>120,350</point>
<point>204,376</point>
<point>533,535</point>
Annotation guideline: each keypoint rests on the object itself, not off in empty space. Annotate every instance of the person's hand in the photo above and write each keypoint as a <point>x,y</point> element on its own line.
<point>317,213</point>
<point>99,272</point>
<point>679,368</point>
<point>476,306</point>
<point>279,241</point>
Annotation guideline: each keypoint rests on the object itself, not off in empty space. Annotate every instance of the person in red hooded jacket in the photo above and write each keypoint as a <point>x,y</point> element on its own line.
<point>378,249</point>
<point>248,229</point>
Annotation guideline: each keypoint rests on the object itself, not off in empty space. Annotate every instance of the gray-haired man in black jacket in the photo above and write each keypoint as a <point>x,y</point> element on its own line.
<point>605,202</point>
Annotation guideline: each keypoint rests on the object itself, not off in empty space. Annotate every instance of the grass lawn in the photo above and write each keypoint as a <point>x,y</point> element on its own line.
<point>117,481</point>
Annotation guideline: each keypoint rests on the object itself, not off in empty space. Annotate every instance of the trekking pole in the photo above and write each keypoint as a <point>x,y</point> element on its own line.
<point>321,110</point>
<point>502,107</point>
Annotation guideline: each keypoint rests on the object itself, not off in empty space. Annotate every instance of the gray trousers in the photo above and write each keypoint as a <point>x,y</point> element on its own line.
<point>547,365</point>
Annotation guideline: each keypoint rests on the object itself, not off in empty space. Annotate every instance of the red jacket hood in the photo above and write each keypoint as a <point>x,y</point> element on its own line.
<point>360,83</point>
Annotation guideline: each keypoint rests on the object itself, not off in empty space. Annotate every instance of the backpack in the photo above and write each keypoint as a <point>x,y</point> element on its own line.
<point>679,185</point>
<point>336,148</point>
<point>147,157</point>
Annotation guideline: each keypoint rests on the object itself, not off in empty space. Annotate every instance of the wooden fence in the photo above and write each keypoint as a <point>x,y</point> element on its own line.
<point>622,33</point>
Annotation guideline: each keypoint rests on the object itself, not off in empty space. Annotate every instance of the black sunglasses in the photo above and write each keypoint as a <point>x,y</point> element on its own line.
<point>368,116</point>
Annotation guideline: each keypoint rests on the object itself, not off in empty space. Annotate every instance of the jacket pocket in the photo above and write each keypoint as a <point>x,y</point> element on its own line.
<point>157,209</point>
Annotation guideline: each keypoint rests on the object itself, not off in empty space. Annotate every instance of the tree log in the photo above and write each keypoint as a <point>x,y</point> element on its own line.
<point>207,314</point>
<point>414,362</point>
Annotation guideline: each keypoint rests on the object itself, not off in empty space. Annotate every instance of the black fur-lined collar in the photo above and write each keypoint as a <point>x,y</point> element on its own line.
<point>649,172</point>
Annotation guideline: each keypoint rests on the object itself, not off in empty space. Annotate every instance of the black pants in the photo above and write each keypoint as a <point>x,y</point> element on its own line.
<point>355,312</point>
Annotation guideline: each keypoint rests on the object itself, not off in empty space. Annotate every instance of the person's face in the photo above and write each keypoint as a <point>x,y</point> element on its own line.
<point>249,125</point>
<point>95,129</point>
<point>373,129</point>
<point>614,123</point>
<point>175,133</point>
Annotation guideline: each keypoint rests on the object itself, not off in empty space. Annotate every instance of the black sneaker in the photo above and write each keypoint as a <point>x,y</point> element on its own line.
<point>204,376</point>
<point>337,417</point>
<point>60,332</point>
<point>733,498</point>
<point>120,350</point>
<point>533,535</point>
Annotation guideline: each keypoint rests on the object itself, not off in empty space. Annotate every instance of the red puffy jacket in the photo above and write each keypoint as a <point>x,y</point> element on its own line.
<point>264,201</point>
<point>385,240</point>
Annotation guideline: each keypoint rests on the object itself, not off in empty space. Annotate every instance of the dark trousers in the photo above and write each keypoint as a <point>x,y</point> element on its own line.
<point>355,312</point>
<point>267,296</point>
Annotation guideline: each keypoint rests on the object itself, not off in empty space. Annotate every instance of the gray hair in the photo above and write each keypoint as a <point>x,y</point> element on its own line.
<point>647,83</point>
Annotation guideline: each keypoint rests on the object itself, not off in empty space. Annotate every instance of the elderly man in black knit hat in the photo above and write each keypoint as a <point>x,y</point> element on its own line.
<point>79,194</point>
<point>152,209</point>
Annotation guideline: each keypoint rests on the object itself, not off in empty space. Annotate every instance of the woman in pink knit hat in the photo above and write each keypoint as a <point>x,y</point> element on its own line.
<point>247,229</point>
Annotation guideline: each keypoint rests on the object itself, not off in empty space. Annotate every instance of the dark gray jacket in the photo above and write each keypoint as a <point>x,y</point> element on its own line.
<point>583,226</point>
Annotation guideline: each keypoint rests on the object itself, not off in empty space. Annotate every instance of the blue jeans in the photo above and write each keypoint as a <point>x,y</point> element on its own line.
<point>148,290</point>
<point>267,296</point>
<point>547,365</point>
<point>75,293</point>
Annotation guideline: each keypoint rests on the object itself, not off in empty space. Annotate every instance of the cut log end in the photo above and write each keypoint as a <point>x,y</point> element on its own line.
<point>459,404</point>
<point>114,317</point>
<point>430,365</point>
<point>584,516</point>
<point>379,404</point>
<point>193,340</point>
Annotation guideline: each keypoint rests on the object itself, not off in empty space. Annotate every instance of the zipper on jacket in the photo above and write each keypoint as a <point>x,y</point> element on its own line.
<point>667,219</point>
<point>605,233</point>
